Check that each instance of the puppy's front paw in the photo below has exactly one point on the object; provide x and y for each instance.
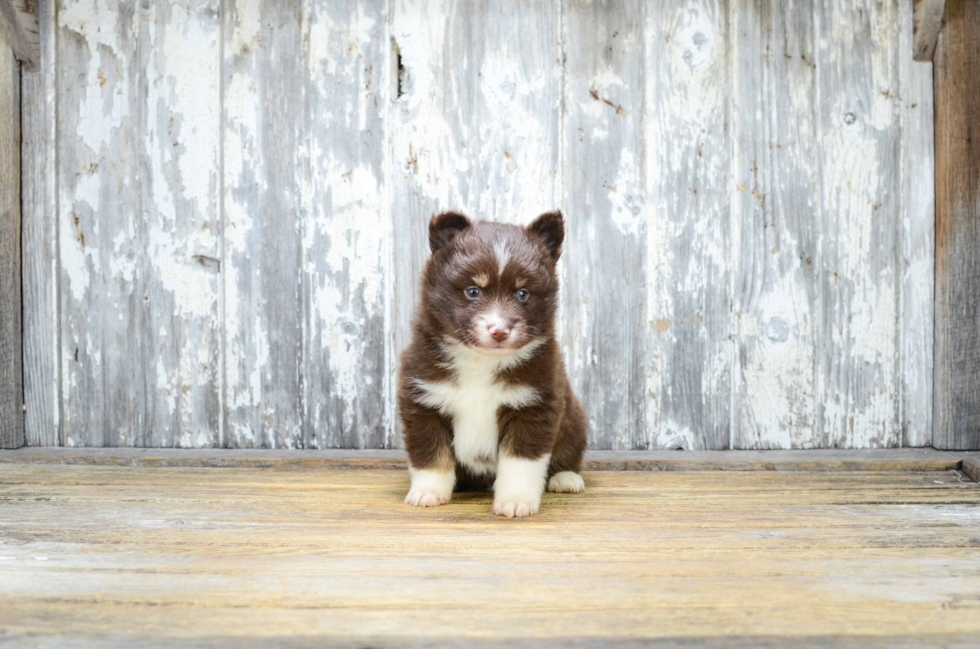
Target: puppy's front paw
(427, 497)
(566, 482)
(430, 488)
(515, 506)
(517, 489)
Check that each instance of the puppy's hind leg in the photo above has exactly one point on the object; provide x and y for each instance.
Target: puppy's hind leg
(567, 482)
(566, 458)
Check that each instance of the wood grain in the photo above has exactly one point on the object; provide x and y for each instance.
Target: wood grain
(956, 383)
(138, 141)
(957, 81)
(859, 117)
(604, 205)
(11, 358)
(226, 209)
(928, 20)
(688, 65)
(137, 554)
(347, 267)
(971, 467)
(41, 261)
(918, 236)
(101, 236)
(179, 46)
(776, 237)
(916, 460)
(263, 282)
(20, 20)
(307, 345)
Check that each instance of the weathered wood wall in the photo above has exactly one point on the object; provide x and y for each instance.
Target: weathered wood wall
(11, 364)
(227, 203)
(957, 376)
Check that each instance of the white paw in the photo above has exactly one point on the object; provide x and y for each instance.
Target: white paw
(566, 482)
(426, 497)
(516, 506)
(518, 487)
(430, 488)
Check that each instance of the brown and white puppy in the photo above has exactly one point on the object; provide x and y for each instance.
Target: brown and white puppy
(483, 394)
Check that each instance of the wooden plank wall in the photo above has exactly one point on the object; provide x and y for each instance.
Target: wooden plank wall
(11, 365)
(240, 191)
(39, 244)
(957, 370)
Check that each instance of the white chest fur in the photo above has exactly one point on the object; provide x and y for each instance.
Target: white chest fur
(472, 398)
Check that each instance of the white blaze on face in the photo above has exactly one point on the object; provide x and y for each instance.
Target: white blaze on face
(503, 256)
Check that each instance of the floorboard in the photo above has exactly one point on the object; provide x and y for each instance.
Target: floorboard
(107, 555)
(892, 459)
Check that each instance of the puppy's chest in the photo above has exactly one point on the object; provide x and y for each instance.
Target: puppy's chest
(471, 398)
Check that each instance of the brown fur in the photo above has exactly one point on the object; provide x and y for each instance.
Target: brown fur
(461, 250)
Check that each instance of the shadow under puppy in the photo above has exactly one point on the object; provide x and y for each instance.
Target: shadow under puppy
(483, 393)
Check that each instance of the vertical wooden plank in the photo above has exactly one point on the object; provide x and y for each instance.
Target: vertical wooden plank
(777, 187)
(475, 125)
(957, 361)
(688, 195)
(928, 20)
(346, 226)
(19, 18)
(859, 92)
(137, 153)
(918, 243)
(180, 262)
(11, 365)
(606, 330)
(101, 234)
(42, 351)
(262, 259)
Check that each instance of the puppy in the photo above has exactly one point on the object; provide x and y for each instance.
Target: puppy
(483, 395)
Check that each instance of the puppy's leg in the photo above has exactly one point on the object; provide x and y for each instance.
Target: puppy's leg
(566, 482)
(526, 438)
(566, 457)
(428, 439)
(430, 488)
(519, 485)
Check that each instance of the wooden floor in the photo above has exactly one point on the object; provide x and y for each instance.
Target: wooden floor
(119, 555)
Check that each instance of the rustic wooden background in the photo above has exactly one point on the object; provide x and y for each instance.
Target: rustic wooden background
(226, 201)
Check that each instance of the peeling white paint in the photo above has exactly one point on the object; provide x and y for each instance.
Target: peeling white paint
(102, 110)
(249, 14)
(191, 287)
(192, 77)
(626, 196)
(79, 261)
(96, 20)
(771, 329)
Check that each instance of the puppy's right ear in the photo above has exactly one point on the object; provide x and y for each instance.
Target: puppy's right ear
(445, 227)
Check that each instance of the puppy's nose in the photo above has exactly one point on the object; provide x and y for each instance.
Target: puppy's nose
(499, 333)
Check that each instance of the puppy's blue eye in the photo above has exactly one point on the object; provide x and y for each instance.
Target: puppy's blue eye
(473, 292)
(522, 294)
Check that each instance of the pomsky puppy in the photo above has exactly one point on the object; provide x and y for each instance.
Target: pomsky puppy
(483, 395)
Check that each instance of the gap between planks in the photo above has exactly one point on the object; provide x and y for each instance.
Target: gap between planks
(910, 460)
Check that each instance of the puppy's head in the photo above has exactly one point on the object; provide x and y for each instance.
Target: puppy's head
(492, 286)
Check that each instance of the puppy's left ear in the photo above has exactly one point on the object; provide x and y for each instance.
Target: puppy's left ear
(445, 227)
(549, 229)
